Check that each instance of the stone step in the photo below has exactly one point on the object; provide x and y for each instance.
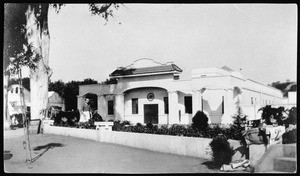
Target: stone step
(289, 150)
(285, 164)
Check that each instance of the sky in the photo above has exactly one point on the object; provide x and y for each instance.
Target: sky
(259, 39)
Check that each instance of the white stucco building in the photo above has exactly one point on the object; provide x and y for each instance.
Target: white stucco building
(55, 100)
(14, 101)
(148, 91)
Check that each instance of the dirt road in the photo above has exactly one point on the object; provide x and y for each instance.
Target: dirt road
(61, 154)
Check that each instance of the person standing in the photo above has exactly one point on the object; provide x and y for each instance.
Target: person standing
(85, 113)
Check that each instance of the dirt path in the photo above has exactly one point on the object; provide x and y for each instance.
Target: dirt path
(61, 154)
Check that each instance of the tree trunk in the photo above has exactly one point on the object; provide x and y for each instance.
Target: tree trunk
(38, 35)
(5, 104)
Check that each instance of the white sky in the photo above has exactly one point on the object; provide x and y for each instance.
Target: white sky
(259, 38)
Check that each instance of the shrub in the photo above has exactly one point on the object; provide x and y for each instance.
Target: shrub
(117, 126)
(290, 137)
(268, 113)
(177, 130)
(222, 152)
(125, 122)
(292, 116)
(200, 121)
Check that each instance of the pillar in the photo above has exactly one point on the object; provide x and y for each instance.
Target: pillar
(119, 106)
(102, 106)
(80, 101)
(196, 97)
(229, 107)
(173, 107)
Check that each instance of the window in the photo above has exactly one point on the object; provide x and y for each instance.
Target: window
(17, 89)
(188, 105)
(135, 106)
(176, 77)
(110, 107)
(252, 101)
(222, 104)
(12, 90)
(166, 102)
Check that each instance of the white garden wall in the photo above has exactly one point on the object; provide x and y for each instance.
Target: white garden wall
(186, 146)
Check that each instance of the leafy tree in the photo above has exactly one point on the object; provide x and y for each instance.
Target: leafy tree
(26, 24)
(57, 86)
(69, 91)
(110, 81)
(88, 81)
(268, 112)
(285, 87)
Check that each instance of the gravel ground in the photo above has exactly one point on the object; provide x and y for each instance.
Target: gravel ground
(61, 154)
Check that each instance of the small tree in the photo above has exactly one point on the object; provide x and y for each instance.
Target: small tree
(239, 121)
(200, 121)
(239, 117)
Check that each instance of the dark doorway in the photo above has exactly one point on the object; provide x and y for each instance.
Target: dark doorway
(151, 113)
(93, 100)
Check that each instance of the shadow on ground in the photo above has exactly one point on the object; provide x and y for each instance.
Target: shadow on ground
(210, 165)
(7, 155)
(46, 147)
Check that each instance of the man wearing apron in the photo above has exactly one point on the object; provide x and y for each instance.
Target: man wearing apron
(85, 114)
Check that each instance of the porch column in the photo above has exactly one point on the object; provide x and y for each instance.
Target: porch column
(196, 97)
(102, 106)
(119, 106)
(80, 101)
(229, 107)
(173, 107)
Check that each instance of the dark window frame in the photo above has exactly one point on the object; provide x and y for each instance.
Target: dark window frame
(110, 107)
(223, 108)
(166, 104)
(135, 106)
(188, 104)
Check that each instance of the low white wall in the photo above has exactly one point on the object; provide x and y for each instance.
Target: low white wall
(187, 146)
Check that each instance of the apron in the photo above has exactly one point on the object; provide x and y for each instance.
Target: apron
(86, 118)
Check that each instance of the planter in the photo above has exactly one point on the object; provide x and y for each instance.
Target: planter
(186, 146)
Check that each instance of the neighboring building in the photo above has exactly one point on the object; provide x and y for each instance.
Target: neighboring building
(148, 91)
(55, 100)
(14, 101)
(290, 101)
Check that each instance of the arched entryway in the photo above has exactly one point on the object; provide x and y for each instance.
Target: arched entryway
(146, 105)
(93, 100)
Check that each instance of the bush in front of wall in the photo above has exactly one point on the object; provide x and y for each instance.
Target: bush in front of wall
(222, 152)
(200, 121)
(177, 130)
(117, 126)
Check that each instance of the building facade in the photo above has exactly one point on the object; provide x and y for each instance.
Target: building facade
(148, 91)
(55, 100)
(14, 100)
